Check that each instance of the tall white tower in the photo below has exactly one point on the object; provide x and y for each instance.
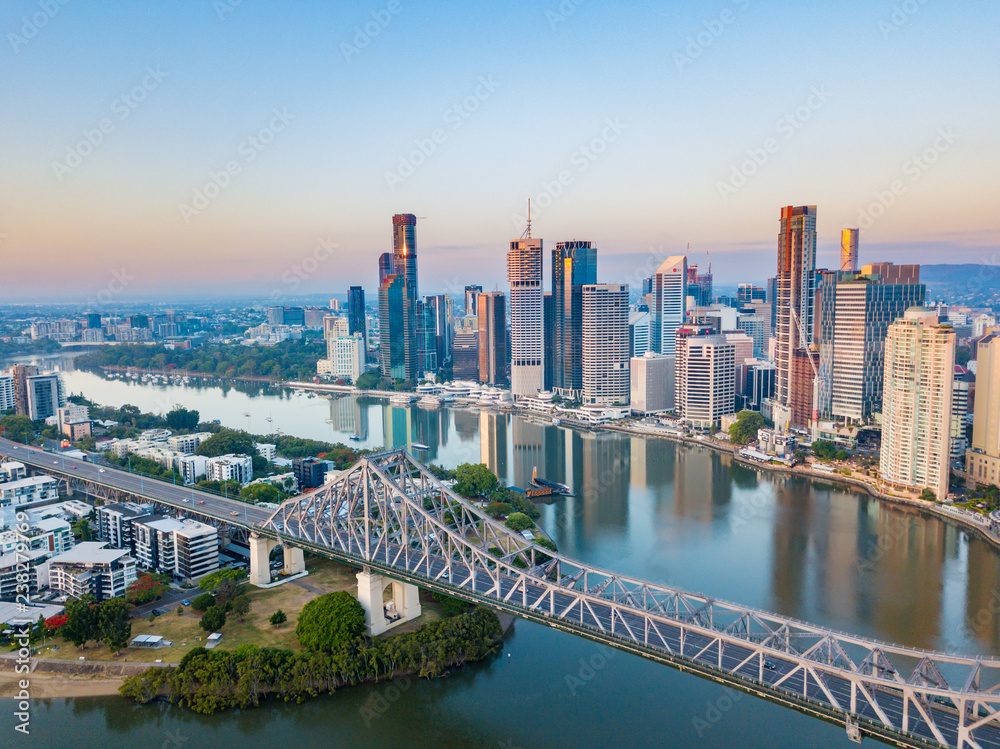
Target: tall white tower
(669, 300)
(527, 344)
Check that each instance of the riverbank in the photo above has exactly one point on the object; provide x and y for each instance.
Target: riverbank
(183, 373)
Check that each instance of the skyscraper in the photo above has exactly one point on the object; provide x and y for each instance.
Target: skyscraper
(356, 313)
(796, 290)
(527, 344)
(700, 285)
(384, 266)
(492, 319)
(404, 265)
(574, 264)
(604, 344)
(916, 403)
(390, 311)
(669, 302)
(705, 380)
(983, 458)
(472, 293)
(440, 312)
(849, 250)
(864, 308)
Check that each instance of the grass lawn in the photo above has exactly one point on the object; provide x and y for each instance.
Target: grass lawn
(325, 576)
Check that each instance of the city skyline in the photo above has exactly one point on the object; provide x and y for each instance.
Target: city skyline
(136, 137)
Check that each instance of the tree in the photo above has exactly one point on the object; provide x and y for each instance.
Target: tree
(278, 618)
(518, 521)
(202, 602)
(256, 493)
(227, 441)
(240, 606)
(146, 588)
(81, 620)
(183, 418)
(329, 621)
(114, 624)
(17, 428)
(744, 430)
(475, 480)
(211, 581)
(928, 495)
(82, 530)
(213, 619)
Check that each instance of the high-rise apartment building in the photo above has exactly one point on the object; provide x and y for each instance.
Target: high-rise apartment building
(404, 266)
(385, 267)
(6, 392)
(605, 344)
(527, 339)
(574, 264)
(356, 313)
(669, 303)
(849, 250)
(705, 380)
(794, 305)
(45, 396)
(492, 336)
(916, 403)
(983, 458)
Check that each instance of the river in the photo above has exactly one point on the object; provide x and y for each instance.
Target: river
(678, 514)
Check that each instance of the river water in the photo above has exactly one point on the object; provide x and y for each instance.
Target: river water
(678, 514)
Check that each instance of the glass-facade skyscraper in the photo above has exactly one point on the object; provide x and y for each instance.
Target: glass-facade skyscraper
(574, 264)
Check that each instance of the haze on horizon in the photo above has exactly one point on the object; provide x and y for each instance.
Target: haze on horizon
(238, 147)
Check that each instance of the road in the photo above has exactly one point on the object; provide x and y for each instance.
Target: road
(185, 498)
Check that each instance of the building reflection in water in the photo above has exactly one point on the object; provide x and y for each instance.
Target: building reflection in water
(493, 443)
(397, 426)
(349, 416)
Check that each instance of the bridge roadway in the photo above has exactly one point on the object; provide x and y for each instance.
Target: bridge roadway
(694, 648)
(186, 498)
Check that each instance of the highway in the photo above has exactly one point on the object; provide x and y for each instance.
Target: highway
(185, 498)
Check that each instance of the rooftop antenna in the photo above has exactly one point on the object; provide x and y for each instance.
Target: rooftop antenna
(527, 231)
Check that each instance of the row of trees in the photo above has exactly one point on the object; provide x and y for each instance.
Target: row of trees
(285, 360)
(107, 622)
(208, 681)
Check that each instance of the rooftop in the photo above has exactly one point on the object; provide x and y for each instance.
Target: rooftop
(90, 552)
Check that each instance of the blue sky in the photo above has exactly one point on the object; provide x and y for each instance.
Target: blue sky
(268, 144)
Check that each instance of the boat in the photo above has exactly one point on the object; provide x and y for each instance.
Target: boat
(419, 446)
(430, 401)
(402, 399)
(553, 486)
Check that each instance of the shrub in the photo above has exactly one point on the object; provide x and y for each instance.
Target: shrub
(278, 618)
(202, 602)
(518, 521)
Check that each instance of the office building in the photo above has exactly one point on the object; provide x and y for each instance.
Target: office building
(45, 396)
(960, 415)
(794, 304)
(181, 547)
(916, 403)
(669, 303)
(758, 328)
(310, 473)
(849, 250)
(492, 338)
(864, 307)
(347, 356)
(527, 338)
(391, 329)
(700, 285)
(356, 314)
(605, 345)
(574, 264)
(983, 457)
(639, 329)
(230, 468)
(404, 264)
(754, 384)
(651, 383)
(465, 356)
(747, 293)
(549, 341)
(90, 568)
(472, 293)
(705, 379)
(440, 313)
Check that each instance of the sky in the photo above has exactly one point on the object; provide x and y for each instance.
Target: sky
(250, 147)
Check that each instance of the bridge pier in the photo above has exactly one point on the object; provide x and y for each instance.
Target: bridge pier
(387, 603)
(260, 559)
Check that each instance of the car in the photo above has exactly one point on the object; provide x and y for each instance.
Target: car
(235, 513)
(186, 602)
(156, 612)
(770, 666)
(185, 500)
(101, 470)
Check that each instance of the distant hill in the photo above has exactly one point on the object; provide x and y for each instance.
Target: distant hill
(963, 273)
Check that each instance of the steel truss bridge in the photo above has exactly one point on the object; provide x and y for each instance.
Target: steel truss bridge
(389, 513)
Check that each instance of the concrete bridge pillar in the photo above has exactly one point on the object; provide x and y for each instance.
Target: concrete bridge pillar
(260, 559)
(387, 603)
(295, 561)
